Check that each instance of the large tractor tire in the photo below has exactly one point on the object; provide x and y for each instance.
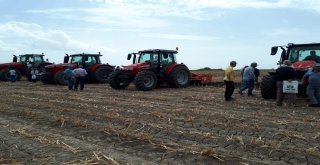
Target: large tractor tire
(46, 79)
(179, 77)
(59, 78)
(268, 87)
(116, 82)
(101, 75)
(145, 80)
(4, 75)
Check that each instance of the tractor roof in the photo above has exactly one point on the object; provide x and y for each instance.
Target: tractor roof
(31, 55)
(158, 50)
(85, 54)
(298, 45)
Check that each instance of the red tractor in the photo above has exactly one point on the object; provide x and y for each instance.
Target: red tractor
(298, 54)
(97, 72)
(150, 69)
(22, 66)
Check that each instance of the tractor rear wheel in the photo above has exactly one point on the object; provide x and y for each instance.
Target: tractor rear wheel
(268, 87)
(59, 78)
(179, 77)
(145, 80)
(101, 75)
(4, 75)
(116, 82)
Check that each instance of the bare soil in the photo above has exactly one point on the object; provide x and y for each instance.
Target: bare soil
(47, 124)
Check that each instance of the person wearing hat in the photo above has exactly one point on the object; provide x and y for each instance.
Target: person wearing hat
(248, 79)
(285, 73)
(313, 88)
(229, 81)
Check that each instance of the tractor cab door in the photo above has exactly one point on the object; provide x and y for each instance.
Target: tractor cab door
(37, 60)
(89, 62)
(167, 59)
(77, 60)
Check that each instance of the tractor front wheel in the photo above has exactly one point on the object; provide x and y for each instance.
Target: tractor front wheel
(268, 87)
(5, 76)
(145, 80)
(116, 82)
(179, 77)
(102, 74)
(59, 78)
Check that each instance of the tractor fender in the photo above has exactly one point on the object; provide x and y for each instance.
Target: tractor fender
(171, 67)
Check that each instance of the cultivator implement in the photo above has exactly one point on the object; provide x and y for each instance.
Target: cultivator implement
(201, 79)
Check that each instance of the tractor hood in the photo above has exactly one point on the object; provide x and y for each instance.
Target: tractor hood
(12, 64)
(138, 65)
(64, 65)
(303, 65)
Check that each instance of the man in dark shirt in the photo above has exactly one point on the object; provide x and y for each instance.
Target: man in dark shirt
(285, 73)
(313, 57)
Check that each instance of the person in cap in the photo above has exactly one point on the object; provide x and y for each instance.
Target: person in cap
(248, 79)
(229, 81)
(285, 73)
(313, 87)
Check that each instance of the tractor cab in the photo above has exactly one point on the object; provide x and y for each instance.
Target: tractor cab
(86, 60)
(32, 59)
(156, 60)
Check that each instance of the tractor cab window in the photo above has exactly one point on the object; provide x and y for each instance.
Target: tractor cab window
(23, 59)
(144, 57)
(76, 59)
(304, 53)
(90, 60)
(170, 58)
(38, 59)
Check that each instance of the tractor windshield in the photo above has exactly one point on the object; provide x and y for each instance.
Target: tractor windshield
(304, 53)
(152, 57)
(76, 59)
(37, 59)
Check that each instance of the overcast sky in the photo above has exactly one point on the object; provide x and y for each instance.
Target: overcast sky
(209, 33)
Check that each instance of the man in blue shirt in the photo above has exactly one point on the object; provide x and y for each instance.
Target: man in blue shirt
(70, 77)
(248, 79)
(313, 88)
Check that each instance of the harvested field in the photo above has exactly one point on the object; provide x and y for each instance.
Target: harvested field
(46, 124)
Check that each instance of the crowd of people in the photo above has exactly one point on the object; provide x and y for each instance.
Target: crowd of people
(285, 73)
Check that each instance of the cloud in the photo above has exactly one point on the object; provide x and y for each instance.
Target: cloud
(27, 36)
(177, 37)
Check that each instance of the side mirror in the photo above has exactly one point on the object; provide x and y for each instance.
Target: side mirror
(165, 56)
(274, 50)
(15, 59)
(129, 56)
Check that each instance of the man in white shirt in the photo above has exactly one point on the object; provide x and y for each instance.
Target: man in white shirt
(80, 75)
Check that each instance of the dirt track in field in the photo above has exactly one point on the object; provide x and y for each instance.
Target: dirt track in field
(46, 124)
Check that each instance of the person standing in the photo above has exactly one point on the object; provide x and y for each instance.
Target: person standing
(12, 75)
(248, 79)
(34, 72)
(229, 81)
(80, 74)
(285, 73)
(69, 74)
(313, 88)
